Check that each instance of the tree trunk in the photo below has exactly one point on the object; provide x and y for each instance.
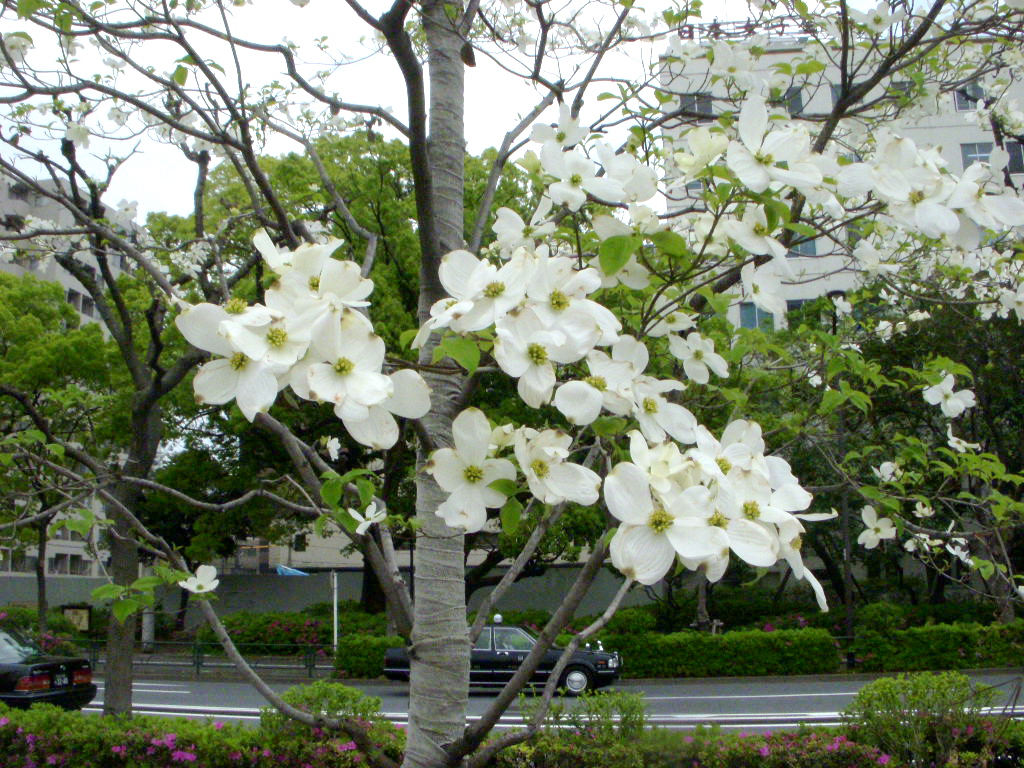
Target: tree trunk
(371, 596)
(439, 656)
(117, 671)
(703, 618)
(42, 606)
(124, 555)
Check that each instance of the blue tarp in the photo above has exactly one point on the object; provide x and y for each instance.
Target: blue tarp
(284, 570)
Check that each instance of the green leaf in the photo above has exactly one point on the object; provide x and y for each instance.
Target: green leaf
(463, 351)
(615, 252)
(671, 243)
(505, 486)
(366, 491)
(831, 400)
(331, 491)
(511, 514)
(405, 338)
(180, 75)
(107, 592)
(607, 426)
(147, 583)
(809, 67)
(56, 449)
(122, 609)
(28, 7)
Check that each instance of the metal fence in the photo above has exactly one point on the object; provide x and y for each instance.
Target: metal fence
(199, 656)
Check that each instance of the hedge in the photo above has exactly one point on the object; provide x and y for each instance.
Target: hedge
(940, 646)
(273, 633)
(362, 656)
(45, 735)
(698, 654)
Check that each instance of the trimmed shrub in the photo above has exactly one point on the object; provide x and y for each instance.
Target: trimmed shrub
(362, 656)
(703, 749)
(939, 647)
(696, 654)
(277, 634)
(923, 718)
(45, 735)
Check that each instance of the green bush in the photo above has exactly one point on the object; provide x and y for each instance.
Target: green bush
(45, 736)
(334, 700)
(922, 719)
(697, 654)
(939, 647)
(362, 656)
(59, 638)
(284, 633)
(702, 749)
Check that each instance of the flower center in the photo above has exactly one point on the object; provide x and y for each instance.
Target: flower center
(760, 230)
(718, 520)
(236, 306)
(796, 543)
(473, 474)
(597, 382)
(764, 158)
(660, 520)
(698, 354)
(239, 361)
(650, 405)
(917, 196)
(723, 464)
(576, 180)
(314, 283)
(560, 137)
(276, 337)
(344, 366)
(751, 510)
(494, 290)
(537, 354)
(559, 301)
(539, 467)
(527, 230)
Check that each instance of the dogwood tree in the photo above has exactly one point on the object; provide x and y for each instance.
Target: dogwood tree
(602, 300)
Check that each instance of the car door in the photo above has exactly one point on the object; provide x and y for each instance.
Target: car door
(483, 660)
(510, 646)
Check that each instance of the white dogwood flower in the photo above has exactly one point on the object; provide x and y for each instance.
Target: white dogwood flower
(877, 528)
(698, 355)
(372, 516)
(465, 472)
(204, 580)
(553, 480)
(953, 404)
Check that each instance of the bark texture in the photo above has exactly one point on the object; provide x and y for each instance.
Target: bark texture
(439, 656)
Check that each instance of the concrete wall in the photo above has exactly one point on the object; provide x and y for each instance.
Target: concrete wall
(265, 593)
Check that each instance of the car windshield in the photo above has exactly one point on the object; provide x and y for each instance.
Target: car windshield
(16, 647)
(512, 639)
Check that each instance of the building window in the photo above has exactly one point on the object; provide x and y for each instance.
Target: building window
(88, 307)
(803, 248)
(78, 565)
(1016, 164)
(699, 104)
(792, 101)
(901, 87)
(752, 316)
(695, 188)
(966, 98)
(977, 152)
(59, 564)
(22, 563)
(74, 299)
(794, 304)
(836, 91)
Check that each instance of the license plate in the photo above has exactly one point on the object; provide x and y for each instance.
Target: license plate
(60, 680)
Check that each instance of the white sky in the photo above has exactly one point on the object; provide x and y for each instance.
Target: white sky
(161, 180)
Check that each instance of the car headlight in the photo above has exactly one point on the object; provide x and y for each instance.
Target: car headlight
(613, 662)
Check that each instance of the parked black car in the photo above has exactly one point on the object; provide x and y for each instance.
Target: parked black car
(501, 649)
(28, 675)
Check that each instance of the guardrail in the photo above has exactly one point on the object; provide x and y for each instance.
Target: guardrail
(205, 655)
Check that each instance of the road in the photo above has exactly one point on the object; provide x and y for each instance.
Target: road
(734, 704)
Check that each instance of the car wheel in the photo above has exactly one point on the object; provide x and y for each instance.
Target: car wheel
(576, 680)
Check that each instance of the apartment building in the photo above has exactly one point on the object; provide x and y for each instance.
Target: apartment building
(818, 266)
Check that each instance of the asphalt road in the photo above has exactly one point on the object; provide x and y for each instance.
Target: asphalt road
(733, 703)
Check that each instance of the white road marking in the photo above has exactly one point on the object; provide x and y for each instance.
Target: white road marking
(748, 696)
